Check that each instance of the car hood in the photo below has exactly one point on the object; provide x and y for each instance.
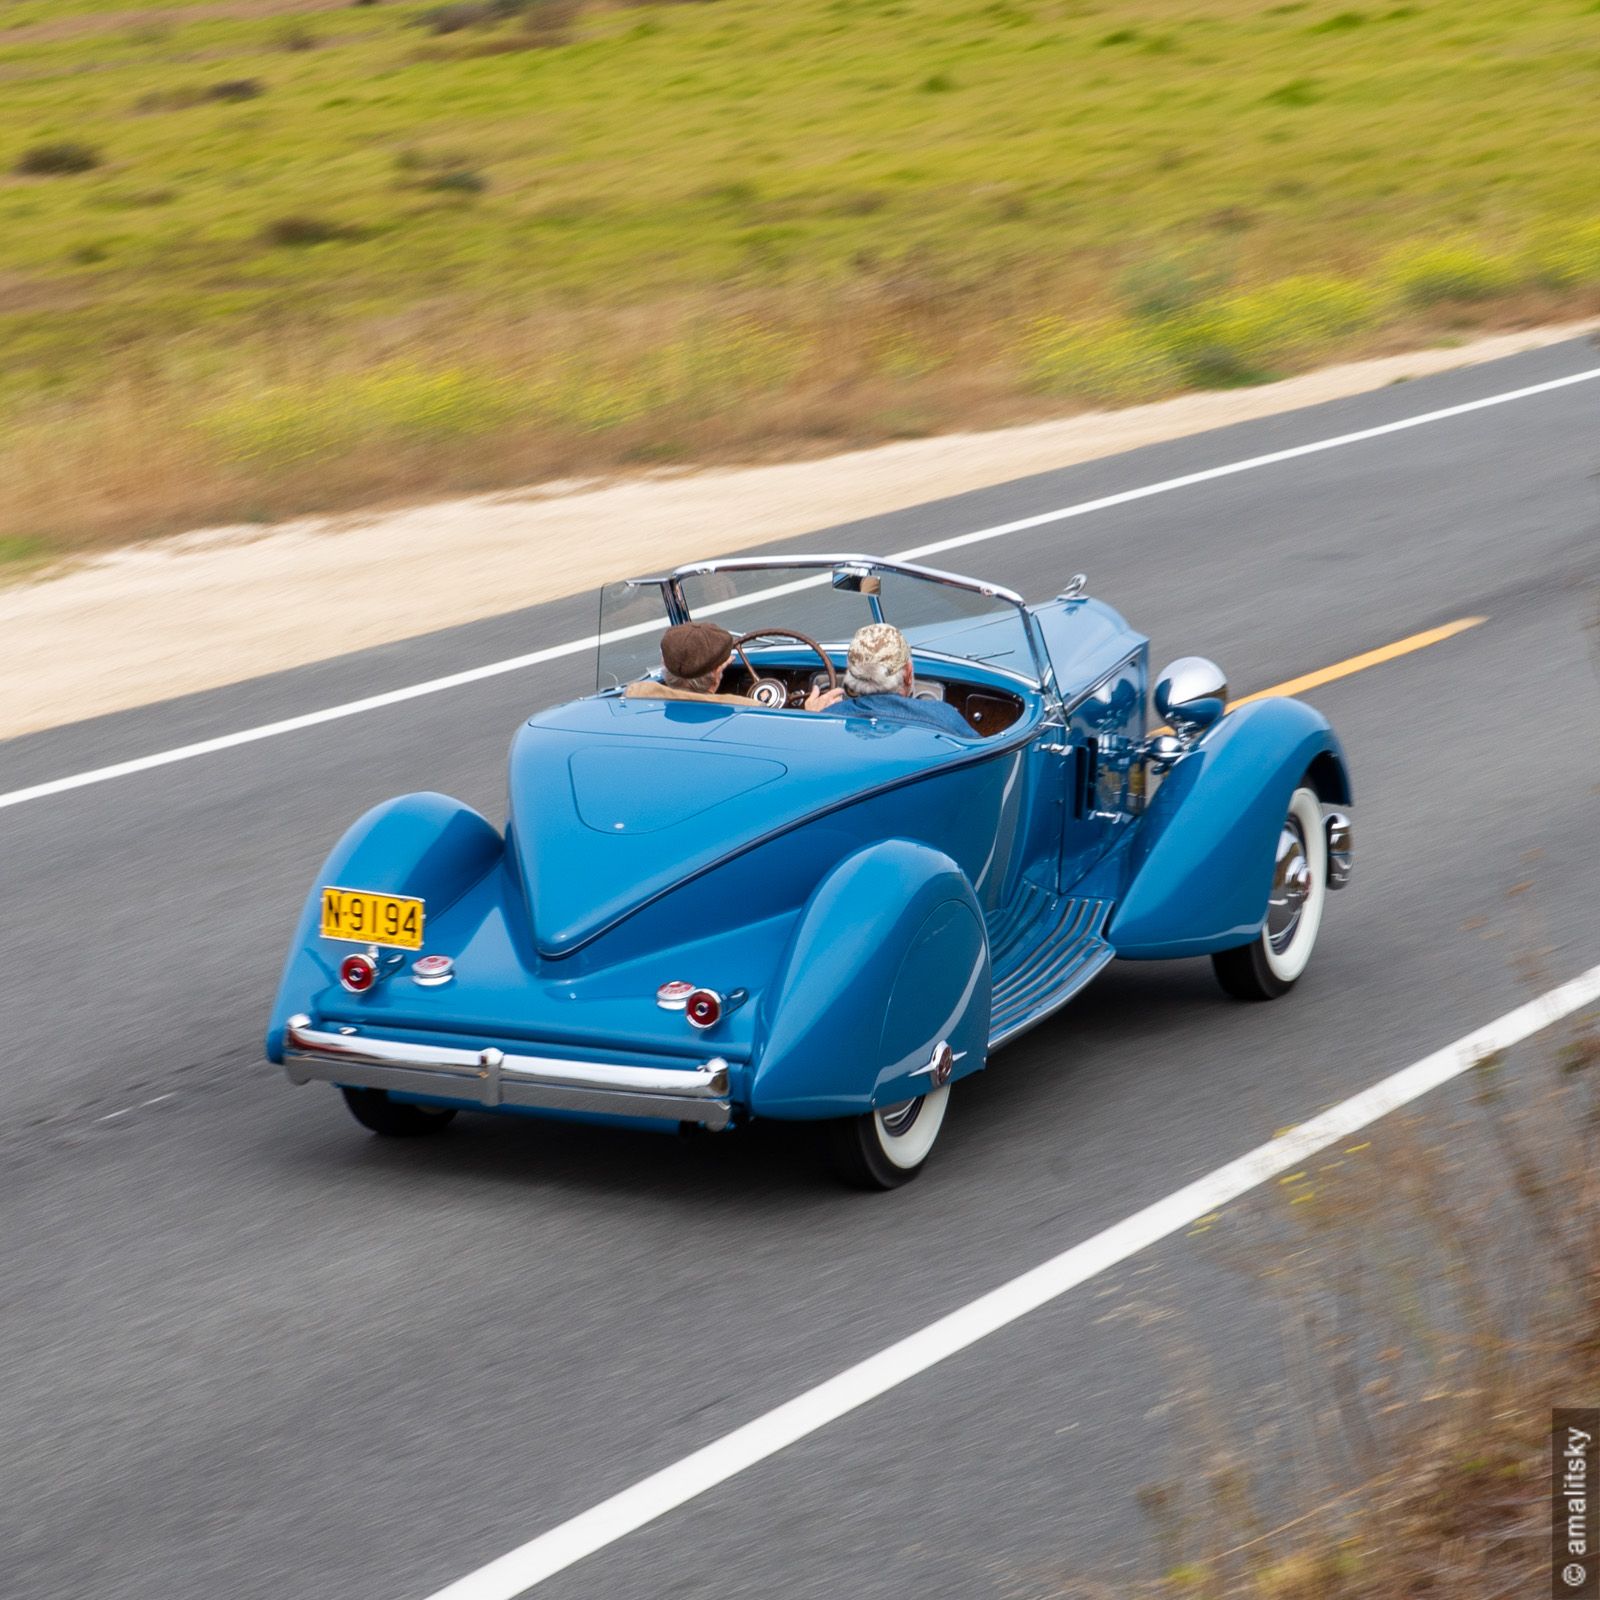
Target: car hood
(615, 801)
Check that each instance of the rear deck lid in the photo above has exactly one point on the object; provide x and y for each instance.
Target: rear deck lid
(614, 801)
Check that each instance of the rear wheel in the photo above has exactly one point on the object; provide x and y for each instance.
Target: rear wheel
(395, 1119)
(1271, 963)
(886, 1148)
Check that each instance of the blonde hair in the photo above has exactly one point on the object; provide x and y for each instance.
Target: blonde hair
(877, 660)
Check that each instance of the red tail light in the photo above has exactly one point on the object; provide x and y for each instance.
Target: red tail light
(358, 973)
(674, 996)
(703, 1008)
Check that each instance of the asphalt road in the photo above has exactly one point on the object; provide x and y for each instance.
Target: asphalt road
(247, 1350)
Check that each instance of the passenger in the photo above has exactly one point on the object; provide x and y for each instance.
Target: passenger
(878, 679)
(694, 656)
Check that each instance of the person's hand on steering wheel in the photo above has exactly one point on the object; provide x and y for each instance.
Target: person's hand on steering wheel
(818, 699)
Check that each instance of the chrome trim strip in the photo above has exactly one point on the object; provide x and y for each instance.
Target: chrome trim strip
(493, 1077)
(672, 589)
(952, 580)
(1080, 976)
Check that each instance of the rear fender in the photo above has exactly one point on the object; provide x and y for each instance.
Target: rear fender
(888, 958)
(1201, 864)
(424, 845)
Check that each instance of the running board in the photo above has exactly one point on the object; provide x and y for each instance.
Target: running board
(1042, 952)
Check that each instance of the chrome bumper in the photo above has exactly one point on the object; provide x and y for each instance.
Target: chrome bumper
(495, 1078)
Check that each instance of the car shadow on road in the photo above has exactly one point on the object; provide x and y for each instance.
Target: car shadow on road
(1135, 1008)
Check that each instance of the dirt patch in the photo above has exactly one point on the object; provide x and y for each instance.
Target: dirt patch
(217, 607)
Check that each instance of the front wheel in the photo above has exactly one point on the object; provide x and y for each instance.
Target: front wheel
(395, 1119)
(886, 1148)
(1269, 965)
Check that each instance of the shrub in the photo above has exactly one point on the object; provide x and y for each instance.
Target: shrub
(191, 95)
(1429, 274)
(298, 231)
(1339, 22)
(1111, 361)
(60, 157)
(1569, 258)
(549, 23)
(231, 89)
(540, 15)
(323, 417)
(452, 19)
(1163, 285)
(458, 181)
(704, 371)
(17, 549)
(1244, 337)
(1298, 92)
(289, 423)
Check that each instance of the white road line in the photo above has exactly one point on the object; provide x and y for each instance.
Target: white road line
(494, 669)
(715, 1463)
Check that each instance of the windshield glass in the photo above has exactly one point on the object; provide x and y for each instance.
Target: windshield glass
(632, 620)
(958, 622)
(827, 602)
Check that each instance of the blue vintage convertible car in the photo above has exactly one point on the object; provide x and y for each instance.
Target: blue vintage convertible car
(701, 913)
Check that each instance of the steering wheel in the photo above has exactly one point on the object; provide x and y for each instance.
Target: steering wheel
(771, 692)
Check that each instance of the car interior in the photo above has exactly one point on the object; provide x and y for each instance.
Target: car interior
(776, 684)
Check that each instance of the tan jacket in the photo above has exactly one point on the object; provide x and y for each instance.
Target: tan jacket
(649, 689)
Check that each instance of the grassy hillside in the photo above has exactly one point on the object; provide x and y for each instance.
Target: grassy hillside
(272, 254)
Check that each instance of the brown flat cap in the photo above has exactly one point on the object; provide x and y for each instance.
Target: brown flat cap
(693, 648)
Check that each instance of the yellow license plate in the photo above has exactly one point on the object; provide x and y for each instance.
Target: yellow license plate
(372, 918)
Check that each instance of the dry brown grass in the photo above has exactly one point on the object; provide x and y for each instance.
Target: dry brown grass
(559, 394)
(1440, 1294)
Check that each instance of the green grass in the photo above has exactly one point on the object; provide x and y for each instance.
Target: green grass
(564, 200)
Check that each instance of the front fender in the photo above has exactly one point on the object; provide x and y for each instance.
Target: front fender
(423, 845)
(1201, 865)
(888, 957)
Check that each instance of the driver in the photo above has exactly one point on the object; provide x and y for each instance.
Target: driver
(694, 655)
(878, 679)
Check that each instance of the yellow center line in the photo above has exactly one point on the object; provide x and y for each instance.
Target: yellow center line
(1369, 658)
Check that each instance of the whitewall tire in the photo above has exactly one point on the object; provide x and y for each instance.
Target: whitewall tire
(1272, 962)
(883, 1149)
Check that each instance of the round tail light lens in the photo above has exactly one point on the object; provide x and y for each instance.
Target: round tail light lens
(358, 973)
(674, 996)
(703, 1008)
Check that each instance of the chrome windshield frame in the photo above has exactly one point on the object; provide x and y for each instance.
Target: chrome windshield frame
(677, 607)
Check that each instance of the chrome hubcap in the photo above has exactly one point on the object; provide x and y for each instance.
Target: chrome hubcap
(897, 1120)
(1291, 886)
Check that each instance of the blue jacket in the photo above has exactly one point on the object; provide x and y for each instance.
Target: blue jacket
(899, 708)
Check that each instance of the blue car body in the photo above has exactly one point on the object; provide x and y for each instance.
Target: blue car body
(858, 896)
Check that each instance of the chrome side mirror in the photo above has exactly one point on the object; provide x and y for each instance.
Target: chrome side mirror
(1191, 695)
